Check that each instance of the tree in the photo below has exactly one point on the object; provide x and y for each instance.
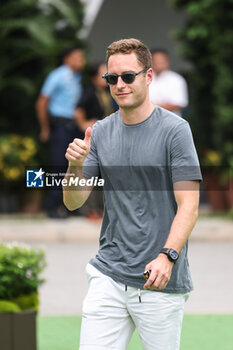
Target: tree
(206, 41)
(32, 34)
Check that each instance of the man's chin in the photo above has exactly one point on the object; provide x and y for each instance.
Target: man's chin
(128, 105)
(125, 105)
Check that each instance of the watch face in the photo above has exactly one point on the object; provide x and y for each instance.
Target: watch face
(173, 254)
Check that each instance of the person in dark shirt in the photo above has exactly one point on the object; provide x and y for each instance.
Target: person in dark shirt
(96, 101)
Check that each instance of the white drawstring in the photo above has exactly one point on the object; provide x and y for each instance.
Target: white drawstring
(139, 295)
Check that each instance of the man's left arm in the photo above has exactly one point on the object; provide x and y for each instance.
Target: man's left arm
(187, 199)
(170, 107)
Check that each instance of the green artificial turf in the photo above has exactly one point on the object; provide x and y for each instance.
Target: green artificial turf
(207, 332)
(200, 332)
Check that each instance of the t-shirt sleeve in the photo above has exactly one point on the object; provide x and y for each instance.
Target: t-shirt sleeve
(183, 155)
(50, 84)
(91, 164)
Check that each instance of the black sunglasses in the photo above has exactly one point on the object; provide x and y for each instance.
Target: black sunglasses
(127, 77)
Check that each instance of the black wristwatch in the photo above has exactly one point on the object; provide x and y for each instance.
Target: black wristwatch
(171, 254)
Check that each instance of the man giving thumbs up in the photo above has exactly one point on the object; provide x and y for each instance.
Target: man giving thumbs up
(148, 158)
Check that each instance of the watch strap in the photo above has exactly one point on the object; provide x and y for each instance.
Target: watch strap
(168, 252)
(165, 250)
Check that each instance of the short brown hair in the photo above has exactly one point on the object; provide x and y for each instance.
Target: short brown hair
(126, 46)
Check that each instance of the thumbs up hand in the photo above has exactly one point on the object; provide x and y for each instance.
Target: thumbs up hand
(87, 138)
(79, 149)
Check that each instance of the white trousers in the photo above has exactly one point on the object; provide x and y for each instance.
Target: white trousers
(111, 313)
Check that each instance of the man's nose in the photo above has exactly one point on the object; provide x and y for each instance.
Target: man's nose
(120, 83)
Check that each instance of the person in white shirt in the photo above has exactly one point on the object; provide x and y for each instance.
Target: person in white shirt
(168, 89)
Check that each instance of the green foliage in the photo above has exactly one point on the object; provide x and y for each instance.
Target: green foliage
(27, 302)
(16, 152)
(32, 35)
(8, 306)
(206, 41)
(21, 303)
(20, 269)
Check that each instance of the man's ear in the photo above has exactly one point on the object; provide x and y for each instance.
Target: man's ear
(149, 76)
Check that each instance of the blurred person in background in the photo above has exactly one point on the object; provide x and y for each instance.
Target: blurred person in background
(96, 101)
(55, 108)
(95, 104)
(168, 89)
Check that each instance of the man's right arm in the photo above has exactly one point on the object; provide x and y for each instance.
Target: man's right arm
(75, 196)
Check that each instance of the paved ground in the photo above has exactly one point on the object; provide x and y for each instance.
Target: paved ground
(69, 244)
(79, 229)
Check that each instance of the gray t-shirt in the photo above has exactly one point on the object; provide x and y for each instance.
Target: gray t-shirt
(139, 164)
